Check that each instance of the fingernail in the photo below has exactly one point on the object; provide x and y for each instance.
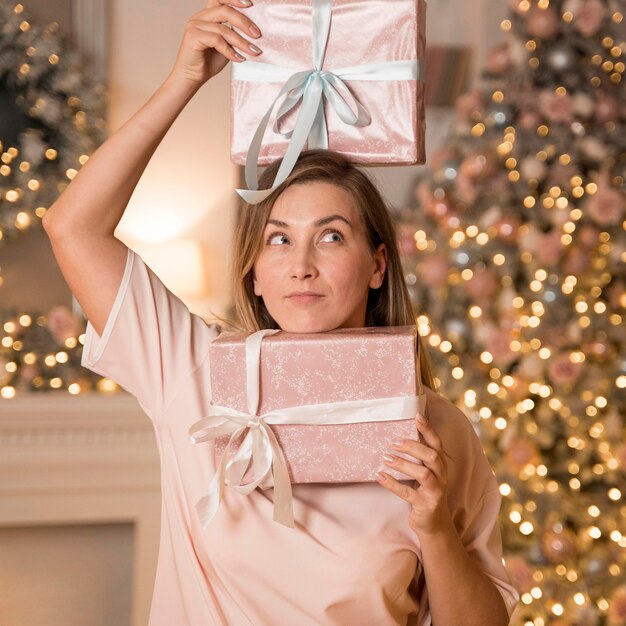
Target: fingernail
(389, 458)
(396, 444)
(381, 477)
(255, 49)
(246, 3)
(255, 31)
(241, 58)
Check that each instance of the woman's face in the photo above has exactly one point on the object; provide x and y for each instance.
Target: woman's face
(315, 268)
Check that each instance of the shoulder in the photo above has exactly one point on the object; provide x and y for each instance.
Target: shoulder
(448, 419)
(460, 440)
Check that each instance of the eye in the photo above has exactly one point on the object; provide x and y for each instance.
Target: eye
(334, 232)
(273, 236)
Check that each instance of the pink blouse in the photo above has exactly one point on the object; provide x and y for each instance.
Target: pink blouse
(351, 558)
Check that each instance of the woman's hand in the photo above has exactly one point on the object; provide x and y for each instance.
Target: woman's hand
(209, 43)
(429, 513)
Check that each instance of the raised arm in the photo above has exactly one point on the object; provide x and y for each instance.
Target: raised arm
(82, 221)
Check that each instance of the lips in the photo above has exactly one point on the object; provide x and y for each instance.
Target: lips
(304, 297)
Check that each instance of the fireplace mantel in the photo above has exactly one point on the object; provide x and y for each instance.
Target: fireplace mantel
(86, 459)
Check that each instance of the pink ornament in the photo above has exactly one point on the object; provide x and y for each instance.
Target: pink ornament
(529, 120)
(499, 59)
(584, 106)
(498, 343)
(616, 615)
(563, 372)
(507, 228)
(558, 546)
(27, 373)
(606, 206)
(424, 195)
(469, 104)
(589, 18)
(483, 284)
(607, 109)
(439, 208)
(442, 156)
(578, 261)
(556, 108)
(549, 248)
(478, 166)
(593, 148)
(561, 175)
(531, 167)
(466, 188)
(62, 323)
(589, 236)
(434, 270)
(542, 23)
(520, 452)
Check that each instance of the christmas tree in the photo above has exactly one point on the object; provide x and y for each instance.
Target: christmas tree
(51, 120)
(515, 261)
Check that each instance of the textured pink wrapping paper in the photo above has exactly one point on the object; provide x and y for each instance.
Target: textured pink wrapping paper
(364, 31)
(299, 369)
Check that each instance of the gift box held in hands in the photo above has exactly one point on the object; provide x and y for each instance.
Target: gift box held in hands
(309, 408)
(371, 91)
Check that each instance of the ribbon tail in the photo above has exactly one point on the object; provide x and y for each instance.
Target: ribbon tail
(318, 136)
(238, 464)
(209, 503)
(283, 495)
(252, 195)
(308, 111)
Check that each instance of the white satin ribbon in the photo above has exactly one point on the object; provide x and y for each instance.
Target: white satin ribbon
(260, 446)
(309, 87)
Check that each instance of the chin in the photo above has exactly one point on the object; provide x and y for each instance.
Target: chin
(306, 326)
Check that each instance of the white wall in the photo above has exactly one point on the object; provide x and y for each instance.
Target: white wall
(188, 187)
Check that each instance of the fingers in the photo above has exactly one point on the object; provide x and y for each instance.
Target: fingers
(426, 430)
(424, 475)
(220, 13)
(430, 458)
(213, 28)
(224, 39)
(403, 490)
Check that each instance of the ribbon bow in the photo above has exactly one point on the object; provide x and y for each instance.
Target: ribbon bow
(309, 87)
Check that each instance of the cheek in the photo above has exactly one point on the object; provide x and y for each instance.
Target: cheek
(349, 274)
(265, 275)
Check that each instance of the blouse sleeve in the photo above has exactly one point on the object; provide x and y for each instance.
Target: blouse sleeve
(150, 342)
(473, 493)
(482, 540)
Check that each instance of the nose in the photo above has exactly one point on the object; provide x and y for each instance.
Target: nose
(303, 263)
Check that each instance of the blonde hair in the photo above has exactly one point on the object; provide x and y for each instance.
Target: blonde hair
(389, 305)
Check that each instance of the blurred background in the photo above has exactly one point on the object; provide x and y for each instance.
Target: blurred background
(512, 236)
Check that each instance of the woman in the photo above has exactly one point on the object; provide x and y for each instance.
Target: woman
(318, 254)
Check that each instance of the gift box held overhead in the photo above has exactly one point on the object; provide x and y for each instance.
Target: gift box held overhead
(340, 74)
(307, 408)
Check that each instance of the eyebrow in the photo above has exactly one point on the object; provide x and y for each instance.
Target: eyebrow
(320, 222)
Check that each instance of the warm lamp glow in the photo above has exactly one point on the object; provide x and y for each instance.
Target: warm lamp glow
(179, 263)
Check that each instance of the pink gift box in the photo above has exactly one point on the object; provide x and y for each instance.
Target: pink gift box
(311, 369)
(370, 31)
